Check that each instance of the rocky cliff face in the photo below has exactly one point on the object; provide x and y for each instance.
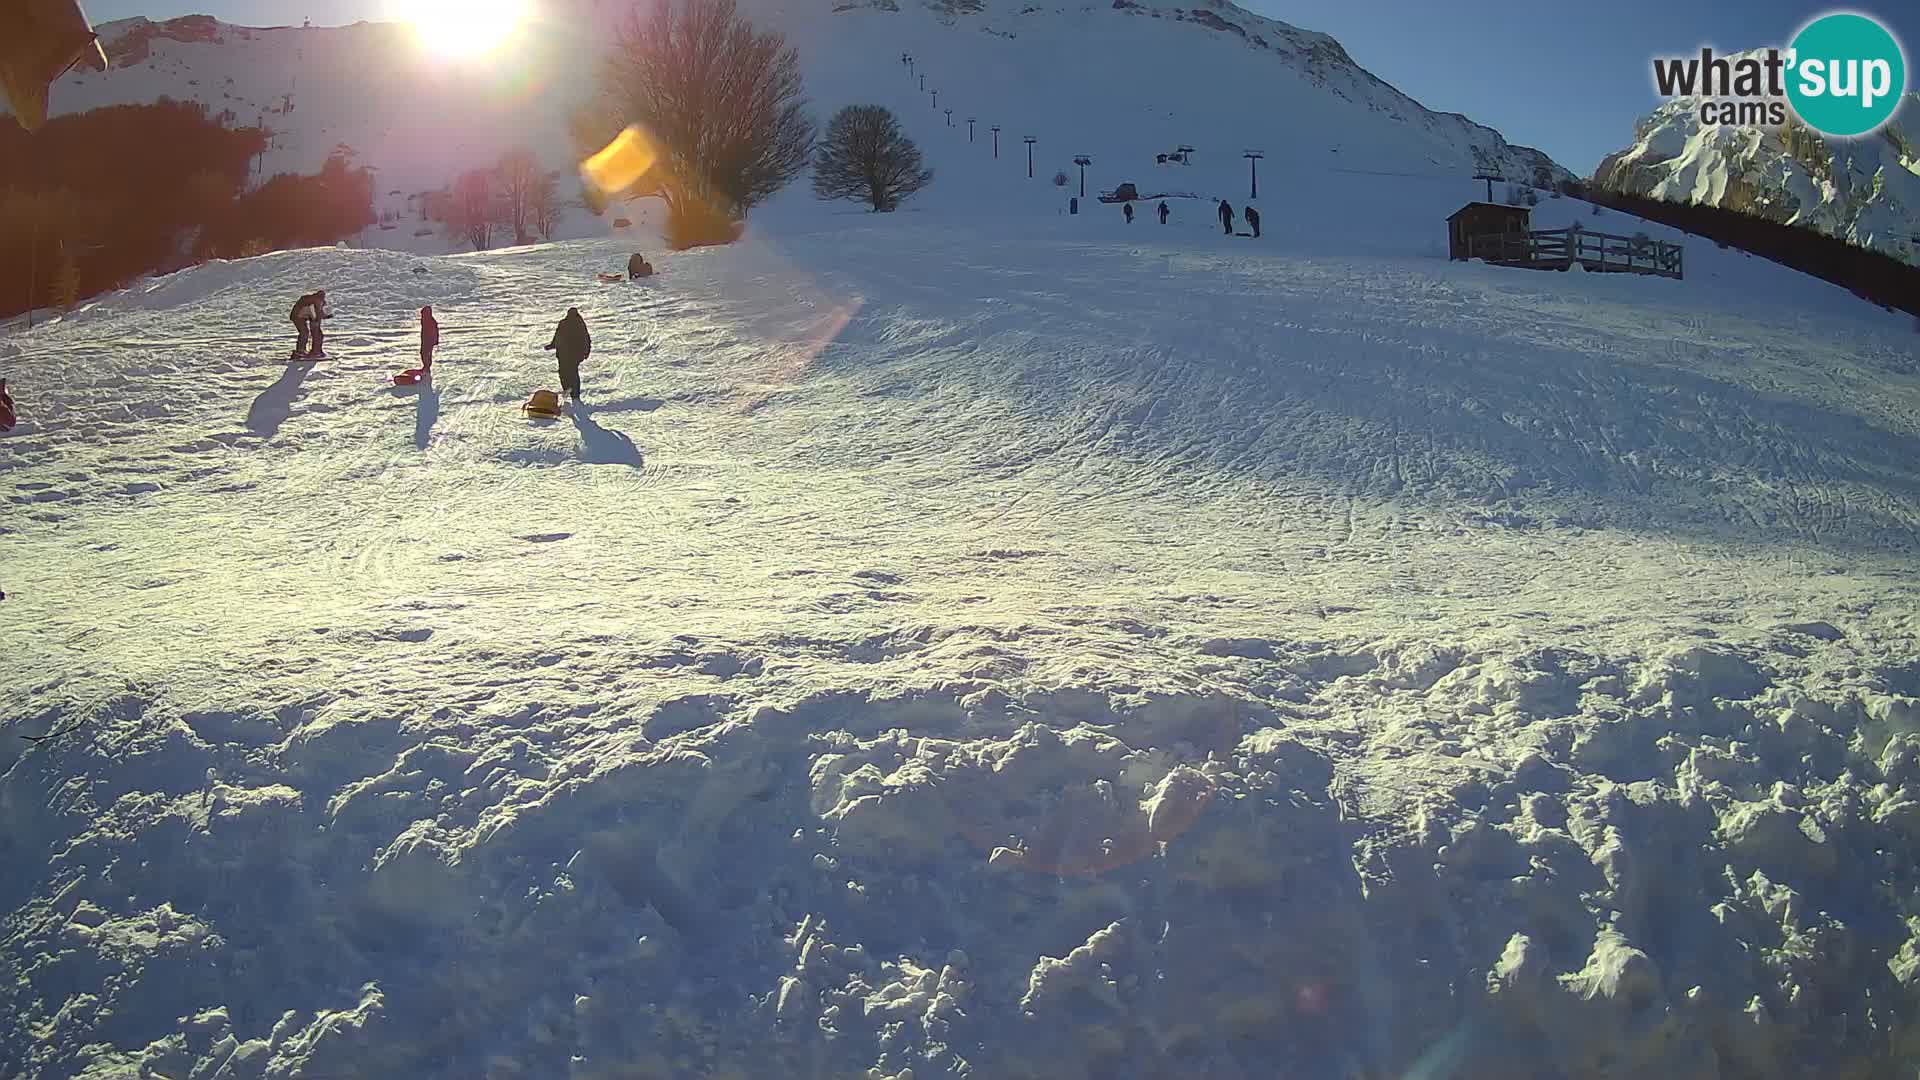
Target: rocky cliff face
(1863, 190)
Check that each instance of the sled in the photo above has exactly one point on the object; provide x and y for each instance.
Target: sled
(544, 405)
(411, 376)
(611, 279)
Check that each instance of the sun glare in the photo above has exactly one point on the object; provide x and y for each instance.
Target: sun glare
(458, 28)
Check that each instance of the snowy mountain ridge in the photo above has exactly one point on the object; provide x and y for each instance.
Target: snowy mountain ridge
(1865, 190)
(1167, 74)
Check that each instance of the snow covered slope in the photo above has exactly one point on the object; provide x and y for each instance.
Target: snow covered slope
(1042, 647)
(1122, 82)
(1863, 190)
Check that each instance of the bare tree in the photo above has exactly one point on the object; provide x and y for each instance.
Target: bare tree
(866, 156)
(543, 204)
(722, 102)
(471, 212)
(517, 173)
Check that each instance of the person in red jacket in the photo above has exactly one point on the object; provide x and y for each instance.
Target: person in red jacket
(7, 414)
(429, 337)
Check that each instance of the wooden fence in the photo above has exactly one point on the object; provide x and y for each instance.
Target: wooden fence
(1558, 249)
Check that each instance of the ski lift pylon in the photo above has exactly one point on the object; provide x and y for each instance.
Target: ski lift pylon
(41, 40)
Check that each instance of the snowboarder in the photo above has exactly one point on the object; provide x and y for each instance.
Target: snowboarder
(429, 337)
(7, 414)
(638, 267)
(306, 314)
(572, 344)
(1164, 212)
(1127, 209)
(1253, 221)
(1226, 217)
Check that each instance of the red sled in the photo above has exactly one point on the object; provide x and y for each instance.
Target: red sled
(411, 376)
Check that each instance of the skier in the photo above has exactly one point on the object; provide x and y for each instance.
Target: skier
(1127, 209)
(572, 344)
(307, 313)
(1253, 221)
(1226, 217)
(429, 337)
(1164, 212)
(7, 414)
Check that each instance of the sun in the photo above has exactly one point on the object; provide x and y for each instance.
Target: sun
(463, 28)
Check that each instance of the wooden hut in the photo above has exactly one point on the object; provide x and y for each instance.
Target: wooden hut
(1482, 219)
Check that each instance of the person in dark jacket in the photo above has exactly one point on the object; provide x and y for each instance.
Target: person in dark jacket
(7, 413)
(1226, 217)
(638, 267)
(1164, 212)
(306, 314)
(1127, 210)
(1253, 221)
(429, 337)
(572, 344)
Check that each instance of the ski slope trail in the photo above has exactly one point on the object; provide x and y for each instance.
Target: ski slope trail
(1043, 647)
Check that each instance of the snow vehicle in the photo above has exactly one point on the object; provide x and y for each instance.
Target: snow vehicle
(1124, 193)
(43, 40)
(544, 404)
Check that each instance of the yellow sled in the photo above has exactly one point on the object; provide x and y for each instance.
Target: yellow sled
(544, 404)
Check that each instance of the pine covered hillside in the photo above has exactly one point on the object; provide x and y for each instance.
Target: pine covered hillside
(1866, 191)
(1122, 83)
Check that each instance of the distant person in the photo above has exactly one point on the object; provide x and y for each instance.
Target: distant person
(638, 267)
(1127, 210)
(572, 344)
(1164, 212)
(1253, 221)
(8, 416)
(307, 313)
(429, 337)
(1226, 217)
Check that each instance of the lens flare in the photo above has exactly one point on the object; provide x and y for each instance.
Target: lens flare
(465, 28)
(621, 163)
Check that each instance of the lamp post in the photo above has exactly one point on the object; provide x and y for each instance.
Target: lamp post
(1083, 161)
(936, 99)
(1253, 163)
(969, 129)
(1030, 140)
(996, 142)
(923, 82)
(1186, 154)
(949, 117)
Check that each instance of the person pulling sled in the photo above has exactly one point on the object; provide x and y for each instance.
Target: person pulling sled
(571, 344)
(638, 267)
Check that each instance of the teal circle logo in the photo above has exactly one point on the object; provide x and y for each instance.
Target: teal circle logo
(1846, 74)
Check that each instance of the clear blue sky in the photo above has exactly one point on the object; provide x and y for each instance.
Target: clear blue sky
(1567, 77)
